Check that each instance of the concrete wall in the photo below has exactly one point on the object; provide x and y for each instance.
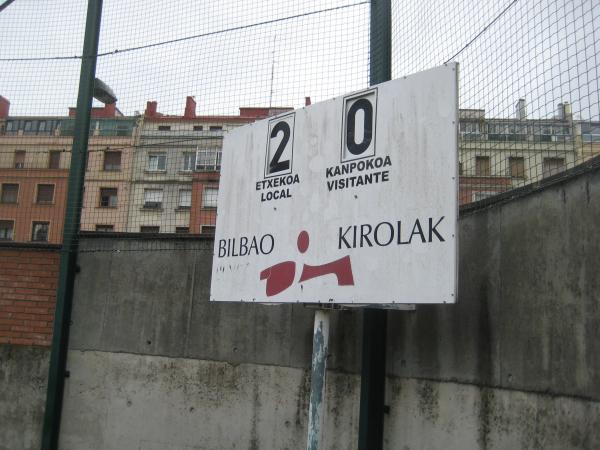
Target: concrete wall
(154, 365)
(23, 378)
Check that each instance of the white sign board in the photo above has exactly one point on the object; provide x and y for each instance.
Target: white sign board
(352, 201)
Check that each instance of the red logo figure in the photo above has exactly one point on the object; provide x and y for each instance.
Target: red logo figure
(281, 276)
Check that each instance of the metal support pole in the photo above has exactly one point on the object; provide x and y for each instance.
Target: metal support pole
(68, 257)
(372, 387)
(316, 412)
(372, 382)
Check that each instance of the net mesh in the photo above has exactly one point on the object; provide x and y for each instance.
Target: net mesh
(528, 84)
(186, 72)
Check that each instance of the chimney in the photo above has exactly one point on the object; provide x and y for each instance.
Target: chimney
(4, 107)
(151, 108)
(521, 109)
(567, 111)
(306, 101)
(110, 110)
(560, 112)
(190, 107)
(564, 111)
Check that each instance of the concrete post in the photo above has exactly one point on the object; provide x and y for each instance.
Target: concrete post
(316, 412)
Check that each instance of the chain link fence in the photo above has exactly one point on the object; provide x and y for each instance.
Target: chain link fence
(184, 73)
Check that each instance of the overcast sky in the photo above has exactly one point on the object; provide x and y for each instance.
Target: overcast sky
(543, 51)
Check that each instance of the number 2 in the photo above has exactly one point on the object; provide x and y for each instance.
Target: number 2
(276, 165)
(278, 160)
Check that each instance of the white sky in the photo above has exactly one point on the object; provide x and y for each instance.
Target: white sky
(544, 51)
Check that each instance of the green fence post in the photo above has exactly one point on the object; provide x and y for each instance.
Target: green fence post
(372, 383)
(68, 257)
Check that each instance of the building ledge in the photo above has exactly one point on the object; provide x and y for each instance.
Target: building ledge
(29, 245)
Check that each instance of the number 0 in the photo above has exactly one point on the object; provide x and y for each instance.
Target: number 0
(357, 148)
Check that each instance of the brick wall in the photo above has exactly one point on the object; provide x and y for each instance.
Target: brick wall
(28, 279)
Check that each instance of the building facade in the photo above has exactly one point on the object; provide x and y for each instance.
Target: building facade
(176, 169)
(34, 166)
(35, 157)
(499, 154)
(157, 173)
(108, 173)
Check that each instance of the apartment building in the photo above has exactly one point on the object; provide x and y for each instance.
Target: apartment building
(34, 162)
(176, 168)
(108, 170)
(159, 173)
(35, 156)
(499, 154)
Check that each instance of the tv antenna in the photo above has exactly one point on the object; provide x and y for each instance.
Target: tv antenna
(272, 69)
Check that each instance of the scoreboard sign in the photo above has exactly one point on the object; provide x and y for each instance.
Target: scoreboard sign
(352, 201)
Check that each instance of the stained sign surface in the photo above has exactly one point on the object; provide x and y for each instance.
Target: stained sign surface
(352, 200)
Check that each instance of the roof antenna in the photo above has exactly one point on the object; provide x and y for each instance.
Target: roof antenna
(272, 70)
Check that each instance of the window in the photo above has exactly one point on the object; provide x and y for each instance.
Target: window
(182, 230)
(560, 133)
(45, 193)
(507, 131)
(469, 127)
(497, 131)
(39, 231)
(517, 166)
(518, 132)
(94, 126)
(153, 198)
(189, 161)
(469, 130)
(552, 166)
(10, 193)
(215, 128)
(164, 128)
(460, 168)
(208, 229)
(483, 167)
(28, 127)
(209, 197)
(11, 127)
(105, 228)
(208, 160)
(20, 159)
(149, 229)
(185, 199)
(54, 160)
(550, 133)
(108, 197)
(590, 132)
(7, 230)
(42, 127)
(198, 128)
(123, 130)
(112, 161)
(157, 162)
